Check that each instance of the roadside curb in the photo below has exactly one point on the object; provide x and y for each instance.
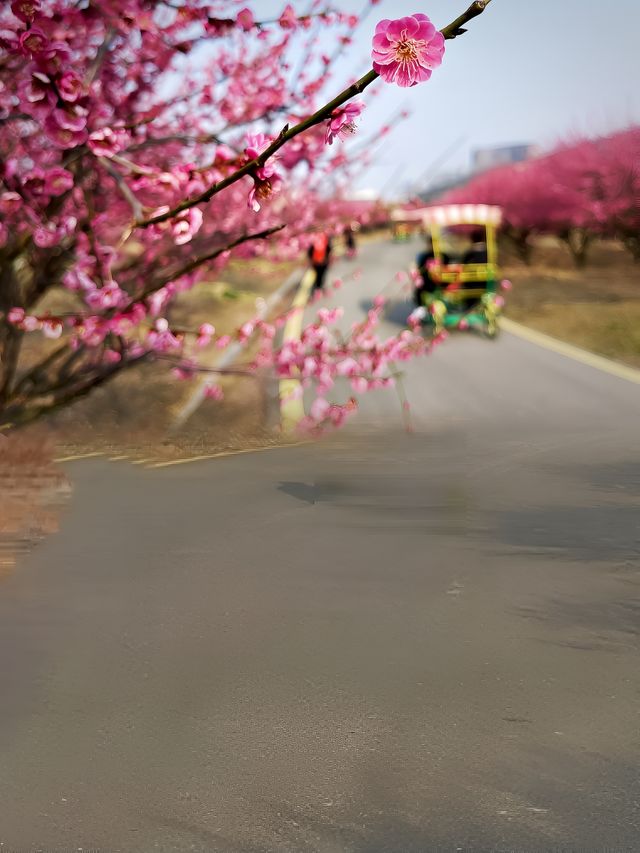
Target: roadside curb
(291, 402)
(232, 352)
(599, 362)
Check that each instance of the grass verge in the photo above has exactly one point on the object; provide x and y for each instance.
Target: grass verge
(596, 308)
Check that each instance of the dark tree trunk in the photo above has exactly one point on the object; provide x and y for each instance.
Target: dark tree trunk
(578, 241)
(520, 238)
(631, 243)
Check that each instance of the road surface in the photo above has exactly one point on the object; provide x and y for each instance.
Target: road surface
(380, 643)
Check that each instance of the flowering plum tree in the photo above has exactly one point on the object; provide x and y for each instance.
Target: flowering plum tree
(579, 191)
(142, 143)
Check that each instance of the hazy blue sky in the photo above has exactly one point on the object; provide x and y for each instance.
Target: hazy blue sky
(527, 71)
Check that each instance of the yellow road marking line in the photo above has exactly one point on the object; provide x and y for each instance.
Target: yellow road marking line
(119, 458)
(599, 362)
(223, 453)
(142, 461)
(76, 456)
(292, 407)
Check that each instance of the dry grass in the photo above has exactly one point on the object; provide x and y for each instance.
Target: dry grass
(597, 308)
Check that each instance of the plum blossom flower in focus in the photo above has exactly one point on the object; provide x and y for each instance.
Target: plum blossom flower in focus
(342, 120)
(406, 51)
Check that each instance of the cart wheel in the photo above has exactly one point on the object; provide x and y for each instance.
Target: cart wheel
(493, 329)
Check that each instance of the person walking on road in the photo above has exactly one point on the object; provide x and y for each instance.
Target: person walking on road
(350, 246)
(320, 256)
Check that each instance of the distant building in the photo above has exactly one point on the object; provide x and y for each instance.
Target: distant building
(442, 185)
(488, 158)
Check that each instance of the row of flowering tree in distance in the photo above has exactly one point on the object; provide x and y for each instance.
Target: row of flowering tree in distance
(143, 143)
(578, 192)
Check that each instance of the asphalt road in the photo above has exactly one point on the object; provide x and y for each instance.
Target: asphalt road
(383, 642)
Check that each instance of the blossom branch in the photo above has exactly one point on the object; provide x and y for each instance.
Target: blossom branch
(451, 31)
(456, 28)
(135, 205)
(209, 256)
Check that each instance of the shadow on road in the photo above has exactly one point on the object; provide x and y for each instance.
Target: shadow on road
(396, 311)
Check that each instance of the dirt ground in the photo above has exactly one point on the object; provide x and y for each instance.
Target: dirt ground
(33, 493)
(597, 308)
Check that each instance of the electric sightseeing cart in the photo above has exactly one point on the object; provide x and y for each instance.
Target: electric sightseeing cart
(460, 294)
(400, 232)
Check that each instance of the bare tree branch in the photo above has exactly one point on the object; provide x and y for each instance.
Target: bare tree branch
(126, 192)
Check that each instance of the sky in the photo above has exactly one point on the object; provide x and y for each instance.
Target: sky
(528, 71)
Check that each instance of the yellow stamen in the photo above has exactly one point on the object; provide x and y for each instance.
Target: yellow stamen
(406, 50)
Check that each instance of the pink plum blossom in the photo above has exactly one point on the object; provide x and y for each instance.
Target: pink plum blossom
(57, 181)
(288, 19)
(342, 120)
(106, 142)
(186, 225)
(111, 356)
(52, 329)
(205, 333)
(213, 391)
(245, 19)
(25, 9)
(30, 323)
(64, 137)
(33, 42)
(106, 297)
(16, 315)
(406, 50)
(10, 202)
(69, 86)
(266, 179)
